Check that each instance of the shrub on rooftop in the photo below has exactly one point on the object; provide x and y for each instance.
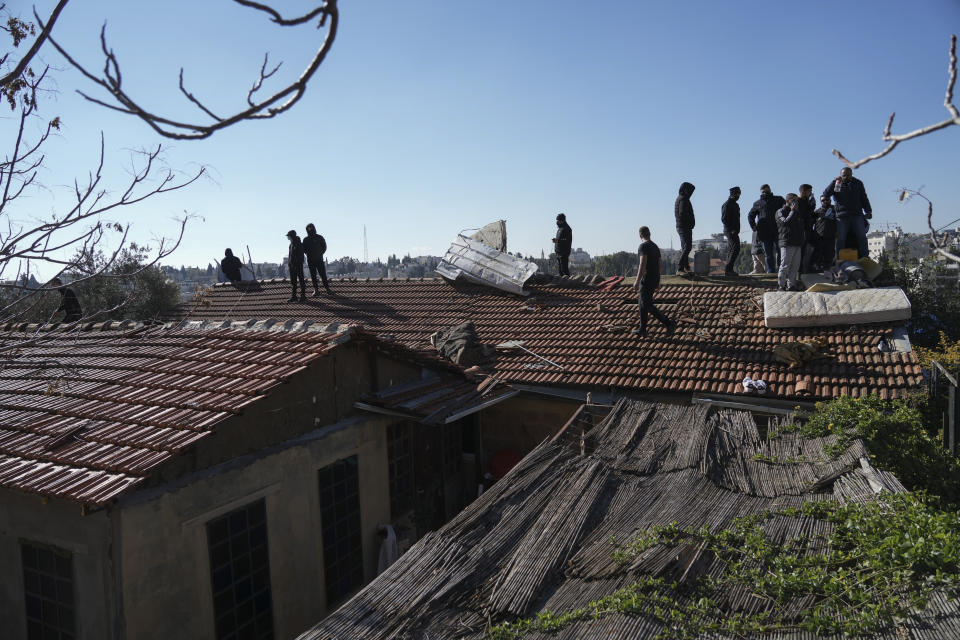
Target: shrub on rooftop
(897, 437)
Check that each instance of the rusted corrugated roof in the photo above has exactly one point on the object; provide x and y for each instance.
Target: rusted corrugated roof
(540, 539)
(721, 337)
(437, 400)
(86, 415)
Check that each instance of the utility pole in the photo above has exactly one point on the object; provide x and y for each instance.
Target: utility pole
(364, 244)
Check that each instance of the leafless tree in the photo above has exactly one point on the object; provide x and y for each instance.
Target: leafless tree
(61, 241)
(895, 139)
(254, 107)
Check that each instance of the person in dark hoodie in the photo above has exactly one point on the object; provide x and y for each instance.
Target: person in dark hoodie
(295, 262)
(562, 244)
(807, 206)
(683, 212)
(231, 266)
(790, 232)
(730, 217)
(315, 246)
(825, 227)
(763, 220)
(69, 302)
(852, 208)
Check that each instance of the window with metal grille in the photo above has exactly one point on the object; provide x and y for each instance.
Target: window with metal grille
(400, 466)
(340, 517)
(48, 591)
(240, 573)
(452, 449)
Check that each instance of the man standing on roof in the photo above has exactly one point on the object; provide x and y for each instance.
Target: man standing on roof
(763, 220)
(69, 302)
(807, 206)
(295, 261)
(648, 281)
(231, 266)
(852, 209)
(562, 243)
(730, 217)
(790, 237)
(683, 212)
(825, 227)
(315, 246)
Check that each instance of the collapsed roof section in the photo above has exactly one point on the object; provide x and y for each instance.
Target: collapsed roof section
(540, 539)
(482, 259)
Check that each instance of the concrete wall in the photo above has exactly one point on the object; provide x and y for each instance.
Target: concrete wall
(61, 524)
(165, 561)
(523, 422)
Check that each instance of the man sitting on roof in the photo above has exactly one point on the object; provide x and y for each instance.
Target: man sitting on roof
(231, 266)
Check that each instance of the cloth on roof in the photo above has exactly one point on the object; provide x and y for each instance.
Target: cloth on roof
(797, 352)
(494, 235)
(460, 345)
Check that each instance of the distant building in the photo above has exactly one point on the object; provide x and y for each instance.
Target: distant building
(580, 259)
(716, 241)
(900, 247)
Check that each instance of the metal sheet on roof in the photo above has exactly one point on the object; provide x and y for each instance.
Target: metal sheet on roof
(480, 263)
(437, 400)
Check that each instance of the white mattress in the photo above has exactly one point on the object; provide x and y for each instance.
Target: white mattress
(829, 308)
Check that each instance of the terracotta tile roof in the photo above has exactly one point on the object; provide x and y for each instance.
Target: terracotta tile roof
(721, 338)
(87, 415)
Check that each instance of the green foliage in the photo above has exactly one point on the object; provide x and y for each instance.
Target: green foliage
(935, 302)
(621, 263)
(130, 288)
(896, 437)
(879, 564)
(946, 352)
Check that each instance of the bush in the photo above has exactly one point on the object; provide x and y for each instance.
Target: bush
(897, 437)
(935, 302)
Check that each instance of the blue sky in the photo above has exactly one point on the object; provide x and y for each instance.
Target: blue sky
(430, 117)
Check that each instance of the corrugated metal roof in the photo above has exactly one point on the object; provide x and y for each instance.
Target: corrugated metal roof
(86, 415)
(437, 400)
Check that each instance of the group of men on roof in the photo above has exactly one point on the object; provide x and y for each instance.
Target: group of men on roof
(789, 233)
(312, 248)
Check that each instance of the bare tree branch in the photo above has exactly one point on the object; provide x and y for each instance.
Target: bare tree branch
(18, 70)
(939, 246)
(111, 80)
(895, 139)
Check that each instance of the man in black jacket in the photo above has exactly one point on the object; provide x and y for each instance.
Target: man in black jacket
(295, 262)
(825, 228)
(806, 206)
(763, 220)
(231, 266)
(852, 208)
(562, 243)
(730, 217)
(790, 239)
(315, 246)
(683, 212)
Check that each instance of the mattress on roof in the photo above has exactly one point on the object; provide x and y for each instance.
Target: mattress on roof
(827, 308)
